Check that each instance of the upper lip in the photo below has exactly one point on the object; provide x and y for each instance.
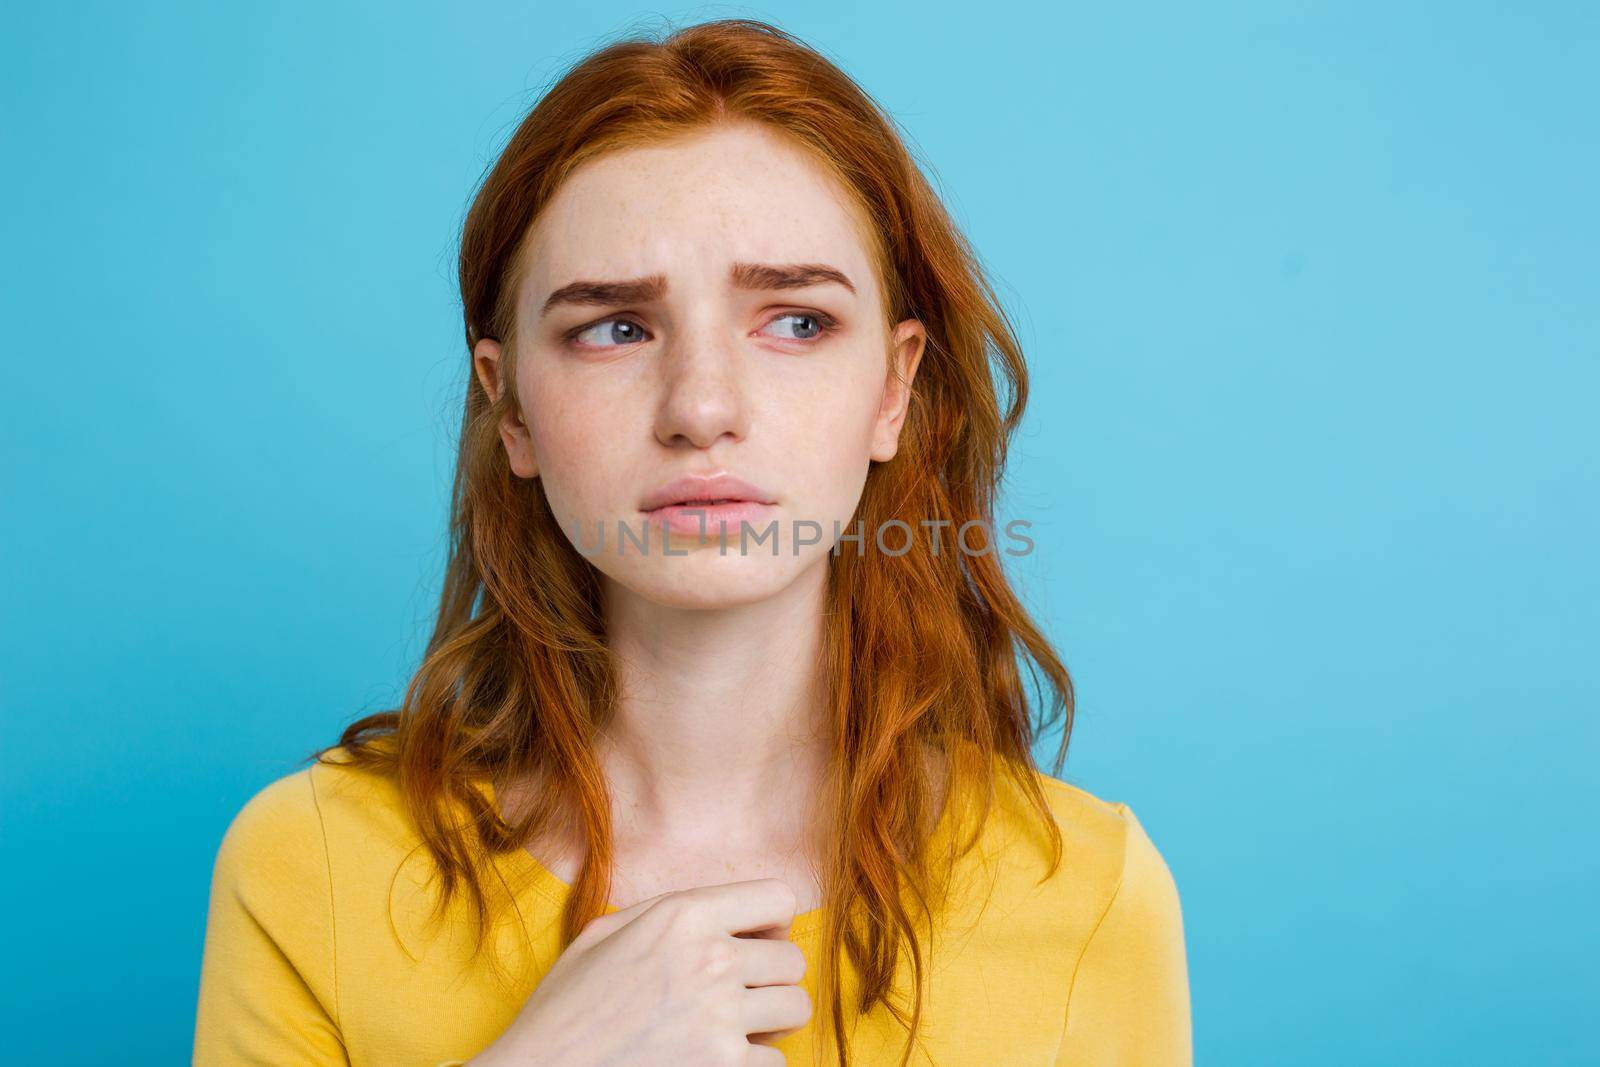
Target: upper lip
(720, 486)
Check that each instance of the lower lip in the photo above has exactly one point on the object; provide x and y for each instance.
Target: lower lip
(691, 519)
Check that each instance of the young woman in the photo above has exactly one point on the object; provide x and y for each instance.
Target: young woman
(722, 717)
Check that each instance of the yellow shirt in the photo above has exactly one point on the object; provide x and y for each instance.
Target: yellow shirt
(316, 948)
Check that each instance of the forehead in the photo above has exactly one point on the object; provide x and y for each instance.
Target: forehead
(689, 208)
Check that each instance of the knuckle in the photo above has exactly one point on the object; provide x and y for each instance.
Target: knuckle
(680, 909)
(785, 893)
(717, 957)
(664, 917)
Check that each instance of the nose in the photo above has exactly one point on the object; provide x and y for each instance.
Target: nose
(702, 389)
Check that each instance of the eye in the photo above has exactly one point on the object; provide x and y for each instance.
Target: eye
(816, 324)
(620, 331)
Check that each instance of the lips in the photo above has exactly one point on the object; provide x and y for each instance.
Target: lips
(705, 490)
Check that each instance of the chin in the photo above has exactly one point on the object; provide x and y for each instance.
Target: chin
(704, 580)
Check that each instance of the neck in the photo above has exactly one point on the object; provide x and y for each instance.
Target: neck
(719, 734)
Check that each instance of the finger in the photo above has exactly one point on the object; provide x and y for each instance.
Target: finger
(765, 962)
(609, 923)
(761, 1056)
(772, 1037)
(760, 907)
(773, 1007)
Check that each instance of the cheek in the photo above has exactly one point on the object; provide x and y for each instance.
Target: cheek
(575, 444)
(835, 402)
(855, 408)
(828, 432)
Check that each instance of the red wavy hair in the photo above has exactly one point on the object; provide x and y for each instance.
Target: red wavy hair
(921, 649)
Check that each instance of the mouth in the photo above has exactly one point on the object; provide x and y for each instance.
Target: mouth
(706, 490)
(713, 519)
(707, 503)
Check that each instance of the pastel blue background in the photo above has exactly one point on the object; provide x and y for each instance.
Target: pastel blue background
(1310, 295)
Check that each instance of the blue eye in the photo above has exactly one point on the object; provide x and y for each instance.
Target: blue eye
(622, 331)
(616, 332)
(819, 324)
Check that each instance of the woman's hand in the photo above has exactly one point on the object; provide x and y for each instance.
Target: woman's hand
(705, 976)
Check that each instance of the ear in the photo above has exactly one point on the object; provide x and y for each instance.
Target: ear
(489, 367)
(905, 355)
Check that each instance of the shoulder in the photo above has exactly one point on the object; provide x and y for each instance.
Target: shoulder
(1090, 821)
(1111, 830)
(1136, 939)
(269, 974)
(1107, 857)
(277, 827)
(1096, 833)
(271, 891)
(289, 830)
(1128, 991)
(1107, 826)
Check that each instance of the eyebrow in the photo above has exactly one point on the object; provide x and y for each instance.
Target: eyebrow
(753, 276)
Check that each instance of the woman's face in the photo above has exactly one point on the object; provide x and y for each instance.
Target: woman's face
(717, 356)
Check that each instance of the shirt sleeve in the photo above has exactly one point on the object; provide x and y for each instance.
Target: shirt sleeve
(268, 987)
(1129, 1001)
